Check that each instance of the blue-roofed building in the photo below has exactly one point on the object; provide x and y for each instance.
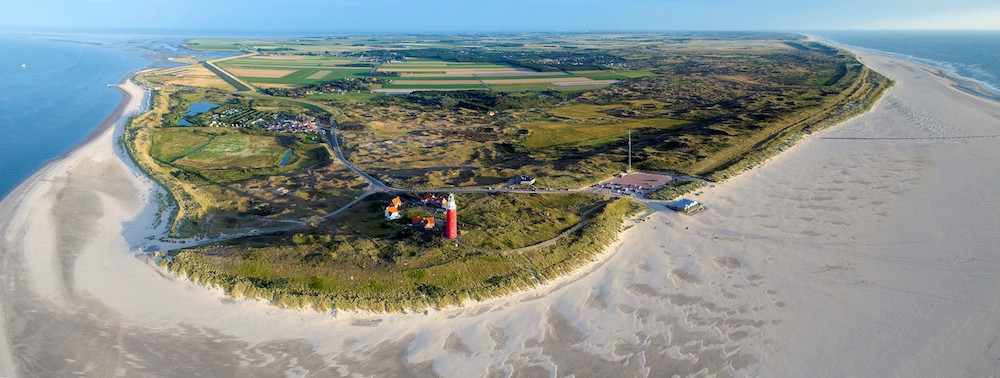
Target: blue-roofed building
(686, 206)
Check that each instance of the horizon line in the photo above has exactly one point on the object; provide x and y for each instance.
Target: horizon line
(277, 33)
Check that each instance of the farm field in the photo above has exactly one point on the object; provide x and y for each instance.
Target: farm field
(286, 71)
(194, 75)
(428, 74)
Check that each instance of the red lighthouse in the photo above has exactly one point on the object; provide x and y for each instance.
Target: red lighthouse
(451, 229)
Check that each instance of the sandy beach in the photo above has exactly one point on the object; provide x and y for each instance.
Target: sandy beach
(869, 249)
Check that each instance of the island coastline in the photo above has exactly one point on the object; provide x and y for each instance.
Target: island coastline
(101, 141)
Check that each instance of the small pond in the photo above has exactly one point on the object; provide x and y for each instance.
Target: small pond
(196, 109)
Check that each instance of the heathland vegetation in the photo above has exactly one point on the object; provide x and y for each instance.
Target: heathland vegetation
(445, 112)
(367, 267)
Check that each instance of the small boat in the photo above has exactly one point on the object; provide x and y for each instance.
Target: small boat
(24, 66)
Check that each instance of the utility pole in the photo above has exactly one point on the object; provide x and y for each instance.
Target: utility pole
(629, 152)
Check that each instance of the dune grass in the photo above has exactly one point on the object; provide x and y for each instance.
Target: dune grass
(412, 273)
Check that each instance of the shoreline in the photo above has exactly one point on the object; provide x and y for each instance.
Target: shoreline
(739, 288)
(968, 85)
(27, 188)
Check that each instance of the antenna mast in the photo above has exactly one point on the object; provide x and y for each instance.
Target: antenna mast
(629, 152)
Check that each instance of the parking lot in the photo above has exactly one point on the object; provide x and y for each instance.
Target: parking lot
(635, 183)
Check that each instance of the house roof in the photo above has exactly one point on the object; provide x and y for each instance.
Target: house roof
(396, 201)
(391, 209)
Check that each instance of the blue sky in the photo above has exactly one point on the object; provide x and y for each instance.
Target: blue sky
(500, 15)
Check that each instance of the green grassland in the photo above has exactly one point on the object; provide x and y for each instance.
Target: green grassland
(235, 151)
(514, 221)
(550, 134)
(171, 144)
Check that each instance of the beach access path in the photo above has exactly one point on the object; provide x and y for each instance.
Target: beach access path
(839, 257)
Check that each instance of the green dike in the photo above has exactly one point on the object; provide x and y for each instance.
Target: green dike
(324, 272)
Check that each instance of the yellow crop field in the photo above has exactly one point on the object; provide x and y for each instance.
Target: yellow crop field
(257, 72)
(191, 76)
(318, 75)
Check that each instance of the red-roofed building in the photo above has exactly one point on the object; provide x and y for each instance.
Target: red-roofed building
(392, 213)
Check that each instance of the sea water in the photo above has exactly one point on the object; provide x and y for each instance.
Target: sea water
(973, 55)
(53, 94)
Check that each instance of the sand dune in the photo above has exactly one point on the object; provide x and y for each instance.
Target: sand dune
(869, 249)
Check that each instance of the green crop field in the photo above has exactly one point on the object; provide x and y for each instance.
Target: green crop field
(307, 70)
(306, 61)
(480, 77)
(422, 75)
(549, 134)
(521, 87)
(302, 77)
(433, 86)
